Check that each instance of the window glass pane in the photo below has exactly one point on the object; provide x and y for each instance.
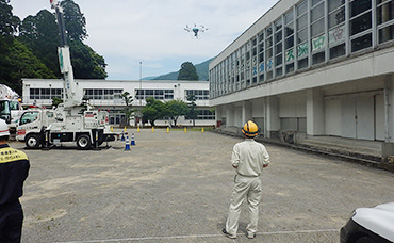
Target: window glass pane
(278, 36)
(314, 2)
(317, 27)
(28, 117)
(268, 31)
(269, 42)
(333, 4)
(337, 51)
(336, 18)
(385, 12)
(318, 58)
(278, 48)
(261, 57)
(302, 36)
(303, 63)
(361, 23)
(254, 42)
(317, 12)
(159, 92)
(149, 92)
(289, 18)
(386, 34)
(270, 75)
(261, 36)
(279, 72)
(359, 6)
(302, 22)
(361, 42)
(289, 68)
(289, 30)
(278, 60)
(302, 7)
(289, 42)
(278, 24)
(269, 53)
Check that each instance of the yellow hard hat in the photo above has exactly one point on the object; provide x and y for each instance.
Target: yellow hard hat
(250, 129)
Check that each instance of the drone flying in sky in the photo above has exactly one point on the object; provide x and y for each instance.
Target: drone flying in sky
(196, 30)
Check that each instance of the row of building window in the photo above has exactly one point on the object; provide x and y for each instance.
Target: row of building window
(204, 115)
(311, 33)
(158, 94)
(198, 94)
(169, 94)
(45, 93)
(102, 94)
(111, 94)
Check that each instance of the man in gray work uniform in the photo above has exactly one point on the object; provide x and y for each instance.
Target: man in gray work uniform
(248, 158)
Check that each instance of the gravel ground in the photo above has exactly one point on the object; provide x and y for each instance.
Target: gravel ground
(175, 187)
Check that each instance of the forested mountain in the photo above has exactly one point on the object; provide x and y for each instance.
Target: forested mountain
(202, 72)
(28, 47)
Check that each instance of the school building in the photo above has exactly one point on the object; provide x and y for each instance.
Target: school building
(105, 95)
(310, 68)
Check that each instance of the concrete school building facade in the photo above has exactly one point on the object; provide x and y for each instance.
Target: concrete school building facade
(311, 68)
(105, 94)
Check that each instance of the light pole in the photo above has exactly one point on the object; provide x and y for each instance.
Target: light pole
(140, 84)
(140, 94)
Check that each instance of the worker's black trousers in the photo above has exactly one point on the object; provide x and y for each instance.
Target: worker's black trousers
(11, 218)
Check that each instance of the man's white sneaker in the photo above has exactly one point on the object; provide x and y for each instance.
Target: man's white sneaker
(251, 235)
(228, 235)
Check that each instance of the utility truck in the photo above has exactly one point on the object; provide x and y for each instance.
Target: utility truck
(10, 107)
(73, 120)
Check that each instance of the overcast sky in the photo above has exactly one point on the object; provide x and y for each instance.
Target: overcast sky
(127, 32)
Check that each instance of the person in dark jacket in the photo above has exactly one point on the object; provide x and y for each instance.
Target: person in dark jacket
(14, 170)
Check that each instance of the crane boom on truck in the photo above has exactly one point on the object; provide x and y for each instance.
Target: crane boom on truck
(73, 120)
(69, 85)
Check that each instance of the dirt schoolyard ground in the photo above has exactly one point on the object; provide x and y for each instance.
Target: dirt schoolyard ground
(176, 186)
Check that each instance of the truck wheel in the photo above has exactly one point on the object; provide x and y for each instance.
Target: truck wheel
(32, 141)
(84, 142)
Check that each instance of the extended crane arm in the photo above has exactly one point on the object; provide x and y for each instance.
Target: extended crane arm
(69, 85)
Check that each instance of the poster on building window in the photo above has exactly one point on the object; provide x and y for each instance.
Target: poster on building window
(270, 64)
(254, 71)
(336, 35)
(261, 69)
(289, 55)
(302, 50)
(318, 43)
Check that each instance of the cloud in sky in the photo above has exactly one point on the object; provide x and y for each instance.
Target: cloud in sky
(127, 32)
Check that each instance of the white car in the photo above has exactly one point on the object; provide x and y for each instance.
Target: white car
(370, 225)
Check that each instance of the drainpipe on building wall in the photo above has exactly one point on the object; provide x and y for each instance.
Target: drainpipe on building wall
(386, 97)
(387, 151)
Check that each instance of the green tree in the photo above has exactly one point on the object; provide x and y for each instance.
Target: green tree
(154, 109)
(86, 63)
(8, 22)
(128, 99)
(192, 112)
(187, 72)
(74, 20)
(19, 62)
(41, 34)
(56, 101)
(175, 109)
